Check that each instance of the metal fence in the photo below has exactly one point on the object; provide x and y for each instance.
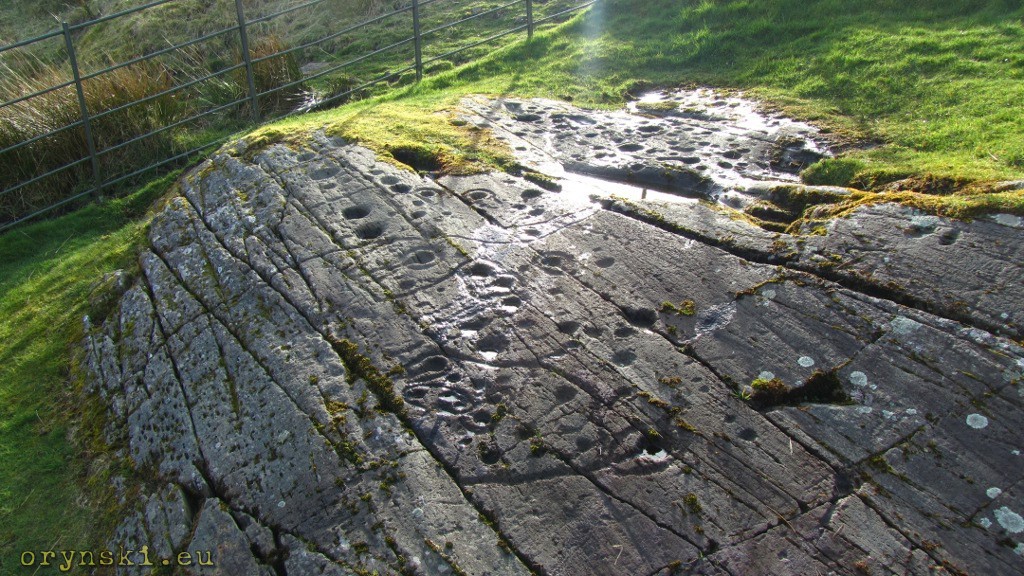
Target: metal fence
(92, 172)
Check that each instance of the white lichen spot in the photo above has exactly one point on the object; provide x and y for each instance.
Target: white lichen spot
(977, 421)
(903, 325)
(858, 378)
(887, 414)
(766, 375)
(1004, 315)
(985, 523)
(805, 361)
(924, 223)
(1019, 549)
(864, 409)
(1009, 220)
(993, 492)
(768, 294)
(1009, 520)
(1015, 452)
(417, 513)
(912, 411)
(280, 504)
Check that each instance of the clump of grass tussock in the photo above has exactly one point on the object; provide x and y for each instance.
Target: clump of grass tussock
(51, 111)
(271, 74)
(122, 87)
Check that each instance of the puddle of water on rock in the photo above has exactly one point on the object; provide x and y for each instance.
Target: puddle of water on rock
(659, 456)
(582, 190)
(725, 142)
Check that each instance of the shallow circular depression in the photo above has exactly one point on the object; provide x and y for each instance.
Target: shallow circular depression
(481, 269)
(356, 212)
(624, 357)
(432, 364)
(323, 172)
(371, 230)
(557, 262)
(479, 194)
(421, 258)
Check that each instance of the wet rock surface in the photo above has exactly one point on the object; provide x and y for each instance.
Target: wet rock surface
(330, 365)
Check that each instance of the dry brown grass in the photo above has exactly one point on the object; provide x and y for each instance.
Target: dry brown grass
(54, 110)
(271, 73)
(57, 109)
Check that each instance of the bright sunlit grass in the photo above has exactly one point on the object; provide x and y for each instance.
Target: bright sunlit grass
(934, 88)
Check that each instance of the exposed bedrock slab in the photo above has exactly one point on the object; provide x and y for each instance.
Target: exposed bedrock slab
(331, 366)
(693, 143)
(696, 144)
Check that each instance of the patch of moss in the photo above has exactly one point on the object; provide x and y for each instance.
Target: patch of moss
(684, 425)
(769, 391)
(684, 308)
(361, 367)
(543, 180)
(833, 171)
(692, 503)
(821, 387)
(537, 447)
(444, 554)
(670, 381)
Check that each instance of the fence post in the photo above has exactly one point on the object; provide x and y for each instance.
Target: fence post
(529, 18)
(417, 39)
(83, 107)
(243, 34)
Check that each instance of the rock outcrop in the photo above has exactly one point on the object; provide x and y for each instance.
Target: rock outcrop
(330, 365)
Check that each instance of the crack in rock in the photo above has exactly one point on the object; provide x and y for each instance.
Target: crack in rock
(331, 365)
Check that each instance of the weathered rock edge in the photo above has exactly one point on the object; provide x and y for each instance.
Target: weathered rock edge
(330, 365)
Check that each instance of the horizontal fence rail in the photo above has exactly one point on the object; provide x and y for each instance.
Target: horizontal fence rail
(97, 162)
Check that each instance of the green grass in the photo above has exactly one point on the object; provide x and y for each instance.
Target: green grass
(47, 271)
(44, 65)
(934, 87)
(21, 19)
(905, 88)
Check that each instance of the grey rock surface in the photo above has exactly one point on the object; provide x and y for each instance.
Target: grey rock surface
(330, 365)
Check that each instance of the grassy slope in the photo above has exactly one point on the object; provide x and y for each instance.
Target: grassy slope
(20, 19)
(46, 274)
(938, 86)
(931, 83)
(933, 91)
